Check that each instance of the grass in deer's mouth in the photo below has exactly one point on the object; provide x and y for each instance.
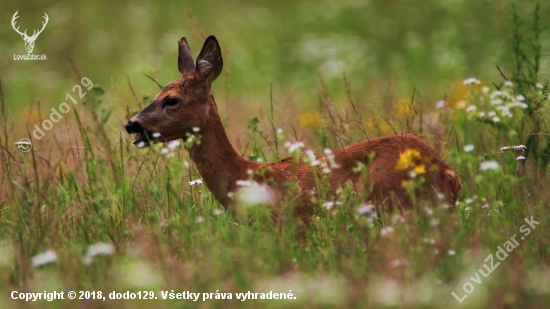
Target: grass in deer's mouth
(142, 140)
(145, 138)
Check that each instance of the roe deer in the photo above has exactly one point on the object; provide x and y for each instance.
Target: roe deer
(187, 105)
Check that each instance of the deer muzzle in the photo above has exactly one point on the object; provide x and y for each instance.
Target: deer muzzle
(144, 138)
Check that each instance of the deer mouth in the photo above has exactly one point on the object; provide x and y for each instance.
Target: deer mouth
(146, 138)
(142, 141)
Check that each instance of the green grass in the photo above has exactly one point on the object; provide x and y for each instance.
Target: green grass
(86, 184)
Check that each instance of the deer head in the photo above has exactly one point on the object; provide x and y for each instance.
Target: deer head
(29, 40)
(184, 105)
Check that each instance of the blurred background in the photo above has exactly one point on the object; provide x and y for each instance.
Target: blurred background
(385, 48)
(84, 184)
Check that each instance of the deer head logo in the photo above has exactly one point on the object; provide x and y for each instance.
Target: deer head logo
(29, 40)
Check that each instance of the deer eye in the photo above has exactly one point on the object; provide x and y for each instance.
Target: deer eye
(170, 102)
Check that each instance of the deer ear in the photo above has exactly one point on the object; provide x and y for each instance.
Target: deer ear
(209, 61)
(186, 65)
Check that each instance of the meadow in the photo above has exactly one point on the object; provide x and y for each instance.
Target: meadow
(85, 210)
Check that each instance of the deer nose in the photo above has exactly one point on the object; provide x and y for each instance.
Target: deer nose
(133, 127)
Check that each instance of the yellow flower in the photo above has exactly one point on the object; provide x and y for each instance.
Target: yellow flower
(420, 169)
(404, 108)
(408, 160)
(31, 114)
(378, 125)
(309, 119)
(459, 93)
(61, 168)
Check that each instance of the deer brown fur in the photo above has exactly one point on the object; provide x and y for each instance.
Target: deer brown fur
(187, 105)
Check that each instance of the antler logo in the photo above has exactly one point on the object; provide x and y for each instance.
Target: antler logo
(29, 40)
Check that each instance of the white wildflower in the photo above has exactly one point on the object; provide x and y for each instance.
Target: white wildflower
(495, 94)
(365, 208)
(485, 206)
(173, 144)
(515, 148)
(485, 89)
(481, 114)
(492, 114)
(386, 230)
(440, 104)
(461, 104)
(396, 218)
(244, 183)
(195, 182)
(217, 212)
(540, 86)
(196, 129)
(292, 147)
(508, 83)
(468, 148)
(312, 158)
(331, 204)
(156, 135)
(253, 193)
(488, 165)
(430, 241)
(397, 263)
(496, 101)
(46, 257)
(471, 108)
(471, 81)
(165, 150)
(371, 219)
(100, 248)
(279, 131)
(199, 219)
(520, 158)
(520, 97)
(330, 158)
(451, 252)
(496, 119)
(140, 144)
(505, 110)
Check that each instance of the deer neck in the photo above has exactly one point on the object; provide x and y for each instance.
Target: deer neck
(217, 161)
